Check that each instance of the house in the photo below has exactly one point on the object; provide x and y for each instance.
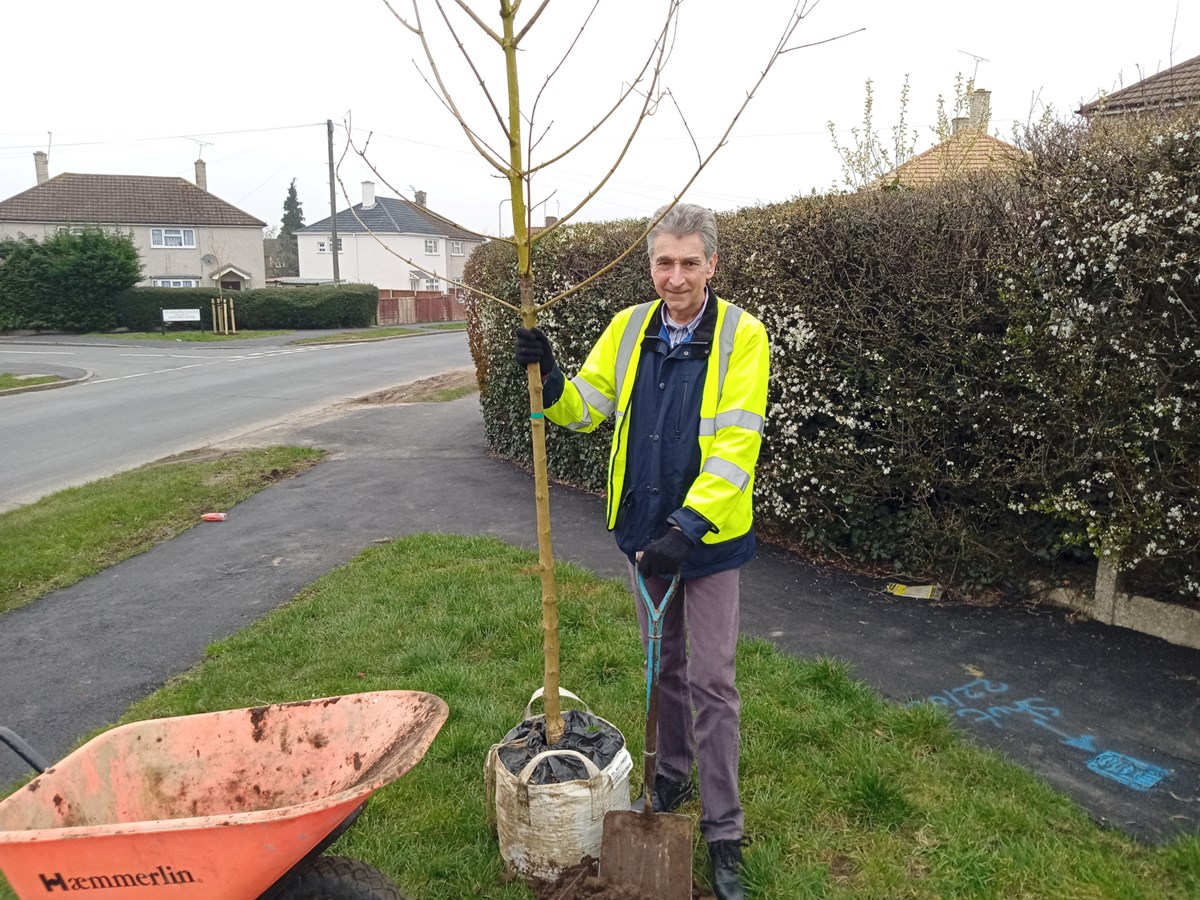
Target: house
(969, 149)
(185, 236)
(374, 239)
(1175, 88)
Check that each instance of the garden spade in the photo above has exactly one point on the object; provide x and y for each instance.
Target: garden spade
(648, 850)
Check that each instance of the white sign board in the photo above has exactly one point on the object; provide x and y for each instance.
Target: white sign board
(181, 315)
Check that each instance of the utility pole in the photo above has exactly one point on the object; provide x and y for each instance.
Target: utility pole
(333, 238)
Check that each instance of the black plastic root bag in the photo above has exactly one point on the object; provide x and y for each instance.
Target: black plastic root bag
(583, 732)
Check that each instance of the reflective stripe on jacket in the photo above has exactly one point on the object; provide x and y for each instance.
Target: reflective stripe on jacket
(732, 411)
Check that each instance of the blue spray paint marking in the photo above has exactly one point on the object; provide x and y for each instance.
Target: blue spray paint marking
(1134, 773)
(1125, 770)
(1083, 742)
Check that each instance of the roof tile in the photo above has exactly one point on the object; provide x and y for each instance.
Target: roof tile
(1171, 88)
(960, 154)
(391, 215)
(76, 199)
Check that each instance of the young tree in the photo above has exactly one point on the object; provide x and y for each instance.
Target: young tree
(510, 153)
(868, 159)
(292, 221)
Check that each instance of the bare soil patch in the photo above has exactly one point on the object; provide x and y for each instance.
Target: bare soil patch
(424, 390)
(583, 882)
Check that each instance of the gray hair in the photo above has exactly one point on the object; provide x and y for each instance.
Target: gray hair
(682, 220)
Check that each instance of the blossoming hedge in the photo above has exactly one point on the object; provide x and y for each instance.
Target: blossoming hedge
(967, 380)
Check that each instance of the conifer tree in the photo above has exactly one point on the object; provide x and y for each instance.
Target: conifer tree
(293, 221)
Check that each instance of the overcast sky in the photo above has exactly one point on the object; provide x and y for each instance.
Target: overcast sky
(134, 87)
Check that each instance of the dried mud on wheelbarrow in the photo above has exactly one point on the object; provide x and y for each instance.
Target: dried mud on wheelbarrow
(582, 882)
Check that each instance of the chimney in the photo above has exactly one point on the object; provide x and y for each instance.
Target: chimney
(41, 165)
(201, 175)
(550, 220)
(981, 109)
(419, 197)
(959, 123)
(368, 194)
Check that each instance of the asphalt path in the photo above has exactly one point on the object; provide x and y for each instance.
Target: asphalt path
(1106, 715)
(145, 400)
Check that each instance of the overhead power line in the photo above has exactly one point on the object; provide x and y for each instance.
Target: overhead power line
(190, 136)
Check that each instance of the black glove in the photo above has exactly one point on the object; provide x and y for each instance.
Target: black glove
(664, 556)
(534, 347)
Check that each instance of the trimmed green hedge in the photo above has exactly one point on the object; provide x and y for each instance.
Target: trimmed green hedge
(347, 306)
(66, 282)
(968, 381)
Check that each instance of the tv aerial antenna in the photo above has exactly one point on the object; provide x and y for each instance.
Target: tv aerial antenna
(200, 145)
(978, 59)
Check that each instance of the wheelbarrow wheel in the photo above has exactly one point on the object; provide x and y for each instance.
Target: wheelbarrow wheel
(341, 878)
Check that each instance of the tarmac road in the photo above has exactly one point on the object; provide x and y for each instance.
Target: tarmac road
(148, 399)
(1109, 716)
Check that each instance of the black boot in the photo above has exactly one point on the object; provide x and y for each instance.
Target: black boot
(667, 795)
(725, 857)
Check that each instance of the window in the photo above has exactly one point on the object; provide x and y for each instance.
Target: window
(432, 284)
(172, 237)
(323, 246)
(456, 248)
(176, 282)
(431, 246)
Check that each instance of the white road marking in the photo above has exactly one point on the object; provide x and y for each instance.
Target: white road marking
(41, 352)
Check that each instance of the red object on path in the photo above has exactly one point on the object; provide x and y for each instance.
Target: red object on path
(213, 517)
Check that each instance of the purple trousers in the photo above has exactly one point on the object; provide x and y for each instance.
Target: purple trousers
(699, 709)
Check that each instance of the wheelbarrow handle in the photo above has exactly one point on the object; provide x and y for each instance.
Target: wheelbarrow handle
(21, 747)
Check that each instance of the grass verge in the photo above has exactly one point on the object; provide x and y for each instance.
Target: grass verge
(191, 337)
(7, 381)
(846, 794)
(374, 334)
(75, 533)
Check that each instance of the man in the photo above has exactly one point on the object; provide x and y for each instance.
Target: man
(686, 377)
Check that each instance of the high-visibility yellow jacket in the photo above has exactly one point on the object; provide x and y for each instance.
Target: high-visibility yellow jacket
(732, 411)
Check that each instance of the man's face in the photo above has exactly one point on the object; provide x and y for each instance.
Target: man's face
(680, 270)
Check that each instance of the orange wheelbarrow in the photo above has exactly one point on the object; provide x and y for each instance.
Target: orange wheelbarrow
(217, 806)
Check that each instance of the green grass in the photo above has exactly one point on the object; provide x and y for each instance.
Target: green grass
(72, 534)
(374, 334)
(8, 381)
(446, 326)
(448, 394)
(846, 794)
(193, 337)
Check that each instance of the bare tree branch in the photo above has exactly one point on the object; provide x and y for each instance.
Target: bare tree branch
(496, 159)
(416, 265)
(362, 154)
(470, 62)
(554, 71)
(686, 127)
(479, 146)
(828, 40)
(537, 12)
(378, 240)
(400, 18)
(798, 13)
(478, 21)
(649, 104)
(672, 15)
(534, 143)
